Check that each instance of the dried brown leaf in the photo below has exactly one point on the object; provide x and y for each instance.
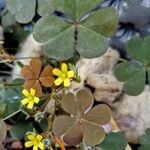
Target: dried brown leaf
(46, 76)
(36, 66)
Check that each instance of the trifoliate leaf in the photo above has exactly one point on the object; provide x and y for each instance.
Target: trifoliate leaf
(133, 73)
(113, 141)
(62, 38)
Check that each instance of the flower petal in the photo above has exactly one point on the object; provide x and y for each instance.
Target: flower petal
(24, 101)
(66, 82)
(39, 137)
(41, 146)
(35, 147)
(30, 105)
(31, 137)
(92, 133)
(29, 144)
(100, 114)
(32, 92)
(74, 135)
(70, 74)
(69, 104)
(61, 124)
(25, 93)
(36, 100)
(58, 81)
(57, 72)
(84, 100)
(64, 68)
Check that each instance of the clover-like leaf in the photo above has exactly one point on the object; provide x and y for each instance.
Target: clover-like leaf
(35, 77)
(24, 10)
(133, 73)
(76, 31)
(144, 140)
(84, 122)
(113, 141)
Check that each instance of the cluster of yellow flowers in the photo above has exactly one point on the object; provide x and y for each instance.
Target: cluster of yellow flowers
(64, 75)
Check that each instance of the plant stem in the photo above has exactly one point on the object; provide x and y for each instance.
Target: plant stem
(11, 115)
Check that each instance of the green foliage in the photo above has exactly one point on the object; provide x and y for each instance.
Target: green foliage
(10, 97)
(113, 141)
(144, 140)
(8, 19)
(133, 73)
(18, 130)
(24, 10)
(83, 33)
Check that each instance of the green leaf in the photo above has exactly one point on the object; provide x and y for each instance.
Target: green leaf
(8, 19)
(12, 97)
(75, 8)
(90, 44)
(104, 21)
(18, 130)
(62, 38)
(135, 85)
(24, 10)
(139, 49)
(60, 47)
(133, 76)
(113, 141)
(45, 7)
(144, 140)
(48, 28)
(126, 70)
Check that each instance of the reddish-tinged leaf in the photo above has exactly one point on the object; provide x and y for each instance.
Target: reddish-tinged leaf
(27, 73)
(61, 124)
(36, 66)
(84, 100)
(74, 135)
(92, 133)
(69, 104)
(46, 76)
(100, 114)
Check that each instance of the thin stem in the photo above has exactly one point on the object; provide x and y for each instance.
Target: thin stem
(11, 115)
(10, 73)
(18, 58)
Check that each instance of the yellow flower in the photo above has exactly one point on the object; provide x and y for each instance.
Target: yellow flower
(30, 98)
(35, 141)
(64, 75)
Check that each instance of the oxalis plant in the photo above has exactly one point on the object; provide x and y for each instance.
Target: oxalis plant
(40, 106)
